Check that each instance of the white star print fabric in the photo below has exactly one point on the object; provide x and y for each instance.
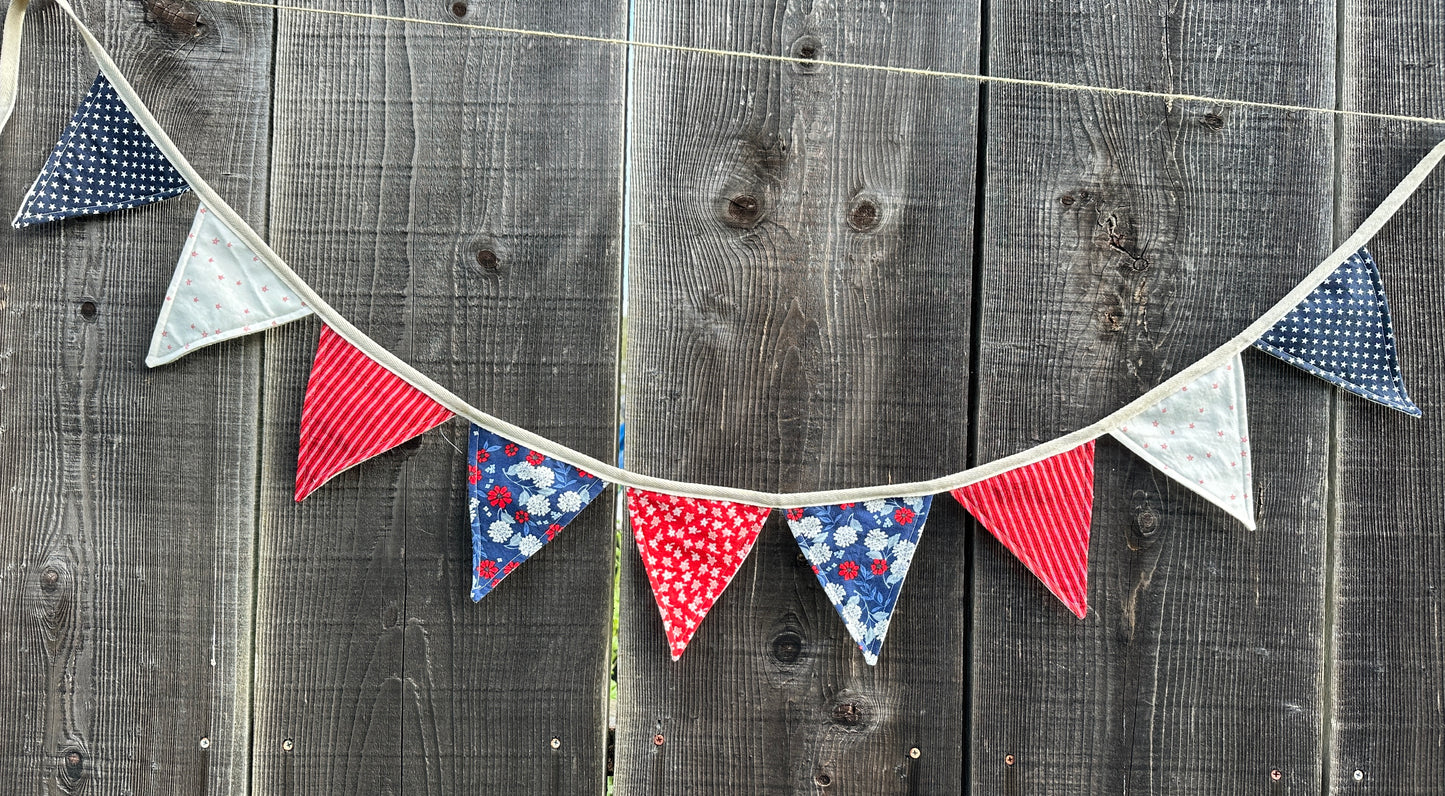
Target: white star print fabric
(1199, 436)
(104, 161)
(1342, 333)
(220, 290)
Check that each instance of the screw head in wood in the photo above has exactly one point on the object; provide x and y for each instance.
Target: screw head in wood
(1275, 774)
(288, 744)
(915, 753)
(205, 742)
(1009, 760)
(1359, 775)
(657, 740)
(556, 743)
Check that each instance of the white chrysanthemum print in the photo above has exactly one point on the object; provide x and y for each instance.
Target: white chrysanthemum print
(472, 506)
(876, 541)
(819, 554)
(500, 530)
(845, 536)
(569, 501)
(852, 613)
(543, 477)
(539, 505)
(875, 506)
(808, 527)
(835, 592)
(914, 503)
(529, 545)
(521, 471)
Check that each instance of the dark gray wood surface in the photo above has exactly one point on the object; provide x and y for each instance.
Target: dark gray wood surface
(1123, 239)
(801, 267)
(809, 307)
(401, 153)
(125, 623)
(1387, 678)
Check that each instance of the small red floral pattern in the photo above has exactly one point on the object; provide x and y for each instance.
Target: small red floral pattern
(691, 549)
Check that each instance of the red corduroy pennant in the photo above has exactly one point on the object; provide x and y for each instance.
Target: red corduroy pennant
(690, 548)
(1041, 513)
(354, 410)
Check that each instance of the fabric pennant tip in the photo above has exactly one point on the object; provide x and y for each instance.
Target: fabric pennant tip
(355, 409)
(861, 553)
(691, 549)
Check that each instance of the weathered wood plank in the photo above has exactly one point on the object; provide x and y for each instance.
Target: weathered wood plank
(800, 276)
(1389, 654)
(127, 530)
(404, 152)
(1124, 239)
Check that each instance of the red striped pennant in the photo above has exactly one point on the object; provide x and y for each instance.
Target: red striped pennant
(1041, 513)
(354, 410)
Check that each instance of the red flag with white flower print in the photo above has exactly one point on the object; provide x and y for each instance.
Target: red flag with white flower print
(691, 549)
(354, 410)
(1041, 513)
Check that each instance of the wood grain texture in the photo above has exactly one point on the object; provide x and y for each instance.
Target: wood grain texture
(1388, 683)
(799, 283)
(403, 152)
(1123, 239)
(127, 528)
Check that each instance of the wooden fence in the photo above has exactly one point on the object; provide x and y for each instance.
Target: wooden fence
(834, 277)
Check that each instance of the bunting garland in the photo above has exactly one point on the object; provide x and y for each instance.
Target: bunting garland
(693, 538)
(1343, 334)
(861, 553)
(1041, 513)
(1200, 437)
(354, 410)
(104, 161)
(221, 289)
(691, 550)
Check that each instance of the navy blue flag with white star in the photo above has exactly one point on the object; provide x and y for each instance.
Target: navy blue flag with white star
(104, 161)
(1342, 333)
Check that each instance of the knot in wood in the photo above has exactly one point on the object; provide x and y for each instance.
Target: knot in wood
(1146, 521)
(848, 714)
(88, 309)
(459, 9)
(74, 767)
(863, 216)
(823, 779)
(1212, 120)
(787, 647)
(1067, 200)
(487, 258)
(808, 49)
(49, 579)
(743, 210)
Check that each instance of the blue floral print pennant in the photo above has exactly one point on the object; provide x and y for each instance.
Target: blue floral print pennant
(104, 161)
(861, 553)
(520, 500)
(1342, 333)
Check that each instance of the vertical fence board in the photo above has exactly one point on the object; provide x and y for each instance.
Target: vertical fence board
(127, 527)
(1124, 238)
(405, 151)
(799, 290)
(1388, 684)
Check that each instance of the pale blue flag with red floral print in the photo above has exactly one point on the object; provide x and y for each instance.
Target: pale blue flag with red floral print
(861, 553)
(520, 500)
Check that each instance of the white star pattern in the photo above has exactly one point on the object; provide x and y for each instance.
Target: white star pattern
(1342, 333)
(104, 161)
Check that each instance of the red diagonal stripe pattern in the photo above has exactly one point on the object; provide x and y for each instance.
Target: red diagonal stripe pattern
(1041, 513)
(354, 410)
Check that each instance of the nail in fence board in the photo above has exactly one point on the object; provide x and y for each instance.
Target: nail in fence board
(127, 527)
(1387, 684)
(800, 279)
(406, 152)
(1125, 238)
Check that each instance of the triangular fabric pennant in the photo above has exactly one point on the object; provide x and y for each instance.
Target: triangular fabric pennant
(1342, 333)
(1041, 513)
(221, 289)
(520, 500)
(1199, 436)
(354, 410)
(691, 549)
(104, 161)
(861, 553)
